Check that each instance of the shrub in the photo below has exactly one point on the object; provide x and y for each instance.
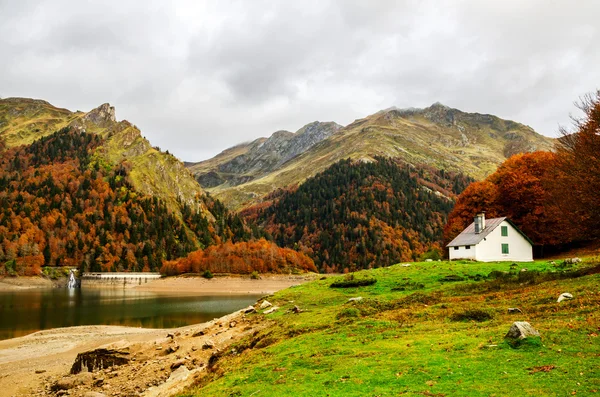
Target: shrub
(451, 278)
(472, 315)
(207, 274)
(408, 286)
(254, 275)
(350, 281)
(349, 312)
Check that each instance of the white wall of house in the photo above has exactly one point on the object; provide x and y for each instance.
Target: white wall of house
(463, 253)
(490, 249)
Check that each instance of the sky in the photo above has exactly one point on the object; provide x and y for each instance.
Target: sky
(198, 77)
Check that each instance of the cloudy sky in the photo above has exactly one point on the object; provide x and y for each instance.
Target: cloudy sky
(198, 77)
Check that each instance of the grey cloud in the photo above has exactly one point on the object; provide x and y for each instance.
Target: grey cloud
(198, 77)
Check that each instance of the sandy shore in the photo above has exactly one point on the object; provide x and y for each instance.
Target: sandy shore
(33, 364)
(230, 285)
(20, 283)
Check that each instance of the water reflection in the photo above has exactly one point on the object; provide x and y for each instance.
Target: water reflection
(24, 312)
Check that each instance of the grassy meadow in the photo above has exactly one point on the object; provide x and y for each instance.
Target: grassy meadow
(428, 329)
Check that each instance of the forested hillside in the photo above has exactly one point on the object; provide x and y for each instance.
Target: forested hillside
(358, 215)
(62, 205)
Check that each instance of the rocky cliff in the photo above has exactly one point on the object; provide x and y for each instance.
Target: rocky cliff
(260, 157)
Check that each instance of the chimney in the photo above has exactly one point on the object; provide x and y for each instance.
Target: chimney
(479, 222)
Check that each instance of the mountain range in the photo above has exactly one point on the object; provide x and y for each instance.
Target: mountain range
(439, 136)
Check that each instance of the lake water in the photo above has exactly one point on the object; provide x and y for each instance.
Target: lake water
(26, 311)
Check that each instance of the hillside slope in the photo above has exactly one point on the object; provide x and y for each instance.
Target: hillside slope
(152, 172)
(438, 136)
(61, 206)
(357, 215)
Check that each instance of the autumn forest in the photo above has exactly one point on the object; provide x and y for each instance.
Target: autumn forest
(61, 206)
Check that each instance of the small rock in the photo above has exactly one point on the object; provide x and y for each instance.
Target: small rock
(171, 336)
(177, 364)
(271, 310)
(524, 269)
(265, 304)
(405, 265)
(232, 324)
(69, 382)
(564, 297)
(572, 260)
(296, 309)
(172, 349)
(194, 348)
(428, 260)
(521, 330)
(40, 371)
(208, 344)
(357, 299)
(249, 309)
(513, 310)
(199, 333)
(158, 347)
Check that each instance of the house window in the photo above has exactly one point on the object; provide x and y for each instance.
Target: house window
(505, 248)
(455, 248)
(467, 247)
(504, 231)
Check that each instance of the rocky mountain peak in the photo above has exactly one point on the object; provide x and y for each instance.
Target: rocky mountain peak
(102, 115)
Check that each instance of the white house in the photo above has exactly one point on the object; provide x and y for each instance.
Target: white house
(496, 239)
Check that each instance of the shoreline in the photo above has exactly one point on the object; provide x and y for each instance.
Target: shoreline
(43, 359)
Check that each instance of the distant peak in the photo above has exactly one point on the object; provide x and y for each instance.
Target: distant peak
(102, 114)
(439, 105)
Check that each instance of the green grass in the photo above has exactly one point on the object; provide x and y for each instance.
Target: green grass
(414, 342)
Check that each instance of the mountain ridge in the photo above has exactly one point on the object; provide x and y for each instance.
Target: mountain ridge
(438, 136)
(153, 172)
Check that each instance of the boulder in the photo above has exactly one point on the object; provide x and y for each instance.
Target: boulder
(208, 344)
(265, 304)
(521, 330)
(249, 309)
(564, 297)
(179, 374)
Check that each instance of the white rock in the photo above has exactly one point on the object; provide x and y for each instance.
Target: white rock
(358, 298)
(271, 310)
(521, 330)
(265, 304)
(405, 264)
(564, 297)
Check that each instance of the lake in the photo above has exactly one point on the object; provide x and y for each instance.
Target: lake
(26, 311)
